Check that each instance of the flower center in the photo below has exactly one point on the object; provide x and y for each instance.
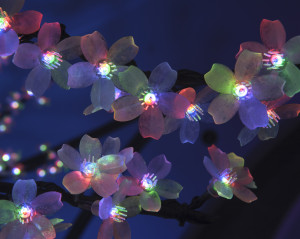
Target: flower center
(228, 177)
(88, 167)
(4, 21)
(193, 112)
(273, 118)
(106, 69)
(51, 60)
(242, 90)
(25, 214)
(118, 213)
(149, 99)
(274, 60)
(148, 182)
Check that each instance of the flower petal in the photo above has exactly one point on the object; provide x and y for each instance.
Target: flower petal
(159, 166)
(188, 93)
(127, 108)
(243, 175)
(24, 191)
(105, 206)
(137, 166)
(132, 205)
(104, 184)
(44, 226)
(272, 34)
(49, 35)
(12, 6)
(27, 56)
(111, 145)
(210, 167)
(69, 48)
(106, 230)
(189, 131)
(133, 188)
(253, 113)
(168, 188)
(247, 135)
(151, 123)
(219, 158)
(220, 78)
(127, 153)
(81, 74)
(90, 148)
(103, 94)
(122, 230)
(223, 190)
(7, 211)
(60, 75)
(47, 203)
(112, 164)
(70, 157)
(291, 74)
(27, 22)
(163, 77)
(171, 124)
(94, 47)
(247, 65)
(173, 105)
(9, 43)
(75, 182)
(268, 87)
(288, 111)
(243, 193)
(223, 108)
(13, 230)
(123, 51)
(150, 201)
(235, 160)
(251, 46)
(38, 80)
(292, 49)
(268, 133)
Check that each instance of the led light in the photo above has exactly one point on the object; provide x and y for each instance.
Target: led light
(4, 21)
(25, 214)
(3, 128)
(43, 147)
(59, 163)
(30, 93)
(148, 99)
(193, 112)
(15, 105)
(106, 69)
(88, 167)
(16, 171)
(228, 177)
(41, 173)
(242, 90)
(148, 182)
(51, 60)
(52, 170)
(5, 157)
(273, 118)
(118, 213)
(274, 60)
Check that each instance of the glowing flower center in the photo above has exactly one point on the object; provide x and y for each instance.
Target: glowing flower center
(118, 213)
(273, 118)
(274, 60)
(149, 99)
(242, 90)
(25, 214)
(106, 69)
(51, 60)
(4, 20)
(88, 167)
(228, 177)
(193, 112)
(148, 182)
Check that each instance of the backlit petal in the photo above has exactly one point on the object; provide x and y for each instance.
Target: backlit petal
(189, 131)
(188, 93)
(104, 184)
(49, 35)
(111, 145)
(210, 167)
(291, 74)
(106, 230)
(292, 49)
(168, 188)
(60, 74)
(112, 164)
(27, 56)
(47, 203)
(137, 166)
(90, 148)
(235, 160)
(27, 22)
(159, 166)
(24, 191)
(268, 133)
(272, 34)
(11, 6)
(81, 74)
(151, 123)
(247, 135)
(219, 158)
(288, 111)
(223, 190)
(70, 157)
(7, 211)
(70, 48)
(75, 182)
(150, 201)
(122, 230)
(244, 193)
(103, 94)
(105, 206)
(9, 43)
(252, 46)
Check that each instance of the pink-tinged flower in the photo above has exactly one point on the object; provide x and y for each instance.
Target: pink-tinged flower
(45, 60)
(278, 54)
(102, 67)
(96, 165)
(243, 91)
(149, 183)
(230, 177)
(149, 99)
(13, 23)
(24, 217)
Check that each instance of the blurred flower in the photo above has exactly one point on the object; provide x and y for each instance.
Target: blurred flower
(24, 216)
(230, 177)
(149, 99)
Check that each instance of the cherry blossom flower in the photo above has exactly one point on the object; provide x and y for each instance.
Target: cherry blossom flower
(45, 60)
(94, 165)
(102, 67)
(24, 217)
(278, 55)
(243, 91)
(149, 99)
(230, 177)
(13, 23)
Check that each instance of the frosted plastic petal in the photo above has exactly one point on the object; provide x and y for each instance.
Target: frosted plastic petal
(105, 206)
(75, 182)
(70, 157)
(189, 131)
(94, 47)
(223, 190)
(220, 78)
(13, 230)
(104, 184)
(27, 56)
(127, 108)
(106, 230)
(159, 166)
(123, 51)
(90, 110)
(171, 124)
(163, 77)
(243, 193)
(81, 75)
(151, 123)
(95, 208)
(268, 87)
(247, 135)
(219, 158)
(268, 133)
(247, 65)
(111, 145)
(205, 95)
(173, 105)
(27, 22)
(292, 49)
(133, 188)
(243, 175)
(7, 211)
(272, 34)
(223, 108)
(47, 203)
(112, 164)
(188, 93)
(9, 43)
(251, 46)
(137, 166)
(12, 6)
(122, 230)
(24, 191)
(253, 113)
(291, 74)
(60, 75)
(69, 48)
(168, 188)
(103, 94)
(127, 153)
(150, 201)
(44, 226)
(210, 167)
(38, 80)
(288, 111)
(49, 35)
(235, 160)
(133, 206)
(90, 148)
